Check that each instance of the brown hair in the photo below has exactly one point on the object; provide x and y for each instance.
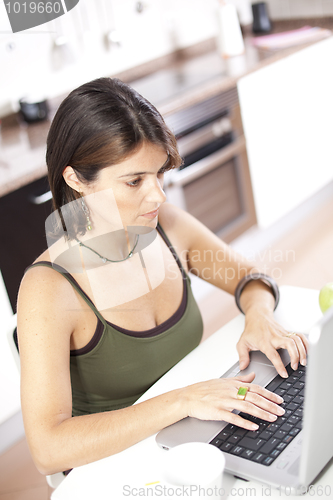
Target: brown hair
(100, 124)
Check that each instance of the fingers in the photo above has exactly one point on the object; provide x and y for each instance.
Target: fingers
(246, 378)
(296, 346)
(233, 418)
(260, 407)
(244, 356)
(302, 346)
(275, 358)
(259, 402)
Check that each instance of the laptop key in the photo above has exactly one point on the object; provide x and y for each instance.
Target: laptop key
(248, 454)
(216, 442)
(253, 434)
(273, 427)
(294, 431)
(251, 444)
(226, 446)
(266, 435)
(234, 439)
(292, 391)
(280, 392)
(280, 434)
(281, 420)
(223, 435)
(270, 445)
(240, 432)
(237, 450)
(274, 384)
(293, 419)
(286, 385)
(286, 427)
(267, 461)
(292, 406)
(258, 457)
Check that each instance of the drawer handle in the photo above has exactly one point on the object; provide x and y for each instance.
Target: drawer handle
(42, 198)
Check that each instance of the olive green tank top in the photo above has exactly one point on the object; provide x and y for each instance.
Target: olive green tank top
(117, 366)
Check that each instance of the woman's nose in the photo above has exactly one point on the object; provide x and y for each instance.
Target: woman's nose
(155, 192)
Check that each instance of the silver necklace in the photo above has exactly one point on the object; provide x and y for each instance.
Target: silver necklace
(105, 259)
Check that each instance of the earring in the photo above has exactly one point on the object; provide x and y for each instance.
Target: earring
(85, 210)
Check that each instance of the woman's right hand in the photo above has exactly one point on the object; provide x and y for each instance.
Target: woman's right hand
(215, 400)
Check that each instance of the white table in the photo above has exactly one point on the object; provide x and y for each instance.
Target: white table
(116, 477)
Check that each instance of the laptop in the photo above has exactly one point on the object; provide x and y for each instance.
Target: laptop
(290, 452)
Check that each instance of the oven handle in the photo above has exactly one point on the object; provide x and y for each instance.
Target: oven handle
(42, 198)
(201, 167)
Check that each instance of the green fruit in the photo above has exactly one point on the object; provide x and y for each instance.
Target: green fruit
(326, 297)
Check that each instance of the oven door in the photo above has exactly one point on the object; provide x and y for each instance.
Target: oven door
(216, 190)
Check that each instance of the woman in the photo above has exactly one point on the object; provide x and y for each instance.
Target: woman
(108, 308)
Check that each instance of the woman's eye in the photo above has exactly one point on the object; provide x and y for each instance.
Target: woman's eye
(134, 183)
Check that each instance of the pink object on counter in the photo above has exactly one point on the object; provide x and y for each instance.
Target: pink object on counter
(290, 38)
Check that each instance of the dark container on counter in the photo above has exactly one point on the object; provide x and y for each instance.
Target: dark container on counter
(261, 21)
(33, 109)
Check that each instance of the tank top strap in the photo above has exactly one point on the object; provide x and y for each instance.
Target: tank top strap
(172, 250)
(72, 281)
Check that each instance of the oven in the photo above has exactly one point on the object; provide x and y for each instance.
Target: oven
(213, 183)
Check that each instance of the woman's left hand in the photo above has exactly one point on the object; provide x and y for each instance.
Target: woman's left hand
(263, 333)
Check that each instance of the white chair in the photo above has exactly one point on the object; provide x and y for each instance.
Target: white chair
(53, 480)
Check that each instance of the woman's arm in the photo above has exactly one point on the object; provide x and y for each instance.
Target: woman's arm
(48, 313)
(214, 261)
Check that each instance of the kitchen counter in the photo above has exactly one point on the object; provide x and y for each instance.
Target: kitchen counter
(171, 83)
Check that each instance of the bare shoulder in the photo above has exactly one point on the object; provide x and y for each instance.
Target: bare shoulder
(43, 293)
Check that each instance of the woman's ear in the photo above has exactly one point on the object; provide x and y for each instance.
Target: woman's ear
(71, 179)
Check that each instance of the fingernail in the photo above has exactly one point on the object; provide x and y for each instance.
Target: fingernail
(284, 374)
(294, 366)
(254, 427)
(272, 417)
(303, 362)
(280, 399)
(280, 411)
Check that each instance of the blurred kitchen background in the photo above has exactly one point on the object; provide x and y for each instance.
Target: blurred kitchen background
(254, 129)
(109, 36)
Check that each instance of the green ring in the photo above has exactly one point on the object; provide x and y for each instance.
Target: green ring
(242, 391)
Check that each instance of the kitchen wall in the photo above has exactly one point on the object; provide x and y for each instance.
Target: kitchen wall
(104, 37)
(289, 9)
(96, 38)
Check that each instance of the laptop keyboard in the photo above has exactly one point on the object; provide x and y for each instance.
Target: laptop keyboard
(265, 444)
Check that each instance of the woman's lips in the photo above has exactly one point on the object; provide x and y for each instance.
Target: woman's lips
(151, 215)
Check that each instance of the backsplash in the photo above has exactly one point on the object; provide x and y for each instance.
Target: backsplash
(105, 37)
(96, 38)
(291, 9)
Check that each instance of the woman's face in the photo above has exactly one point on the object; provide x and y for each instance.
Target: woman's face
(136, 186)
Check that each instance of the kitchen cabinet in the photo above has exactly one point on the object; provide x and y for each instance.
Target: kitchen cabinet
(22, 222)
(287, 110)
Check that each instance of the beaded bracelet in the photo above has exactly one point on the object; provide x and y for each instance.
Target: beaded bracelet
(257, 276)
